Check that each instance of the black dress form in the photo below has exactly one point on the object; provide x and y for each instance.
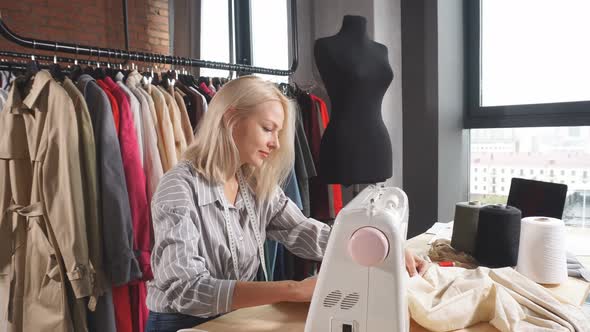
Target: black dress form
(355, 147)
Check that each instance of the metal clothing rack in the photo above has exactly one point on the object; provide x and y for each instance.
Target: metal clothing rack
(53, 58)
(153, 57)
(10, 66)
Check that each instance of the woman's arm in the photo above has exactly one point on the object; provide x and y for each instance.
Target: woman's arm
(307, 237)
(252, 293)
(285, 223)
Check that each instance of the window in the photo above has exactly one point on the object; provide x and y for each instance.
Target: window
(551, 151)
(214, 35)
(269, 25)
(574, 131)
(270, 36)
(545, 72)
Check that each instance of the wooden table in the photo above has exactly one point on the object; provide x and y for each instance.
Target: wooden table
(285, 317)
(290, 317)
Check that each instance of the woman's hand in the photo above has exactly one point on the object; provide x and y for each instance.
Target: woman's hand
(414, 264)
(304, 290)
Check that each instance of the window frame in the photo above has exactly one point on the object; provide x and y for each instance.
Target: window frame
(243, 32)
(528, 115)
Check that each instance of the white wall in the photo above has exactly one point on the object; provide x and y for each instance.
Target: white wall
(388, 32)
(453, 140)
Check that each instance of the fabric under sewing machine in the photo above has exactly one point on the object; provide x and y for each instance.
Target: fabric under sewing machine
(446, 299)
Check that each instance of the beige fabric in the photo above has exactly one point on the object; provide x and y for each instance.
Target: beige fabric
(179, 140)
(166, 144)
(184, 120)
(150, 100)
(152, 162)
(43, 242)
(446, 299)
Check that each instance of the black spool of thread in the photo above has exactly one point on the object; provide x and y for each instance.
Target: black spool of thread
(498, 236)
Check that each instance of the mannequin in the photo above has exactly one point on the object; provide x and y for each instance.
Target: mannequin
(355, 148)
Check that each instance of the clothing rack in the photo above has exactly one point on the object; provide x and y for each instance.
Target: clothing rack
(154, 57)
(50, 58)
(11, 66)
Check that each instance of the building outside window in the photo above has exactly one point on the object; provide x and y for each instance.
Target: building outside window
(553, 150)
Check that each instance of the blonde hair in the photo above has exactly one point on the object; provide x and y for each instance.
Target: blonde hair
(214, 153)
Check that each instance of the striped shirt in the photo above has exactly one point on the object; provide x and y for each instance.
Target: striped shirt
(191, 259)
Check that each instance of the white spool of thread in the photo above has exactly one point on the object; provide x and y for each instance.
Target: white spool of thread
(541, 254)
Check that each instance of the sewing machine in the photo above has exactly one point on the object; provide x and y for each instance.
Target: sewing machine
(361, 284)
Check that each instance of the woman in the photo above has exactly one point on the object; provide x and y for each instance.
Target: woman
(213, 211)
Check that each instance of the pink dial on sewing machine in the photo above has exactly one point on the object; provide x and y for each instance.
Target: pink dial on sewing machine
(368, 246)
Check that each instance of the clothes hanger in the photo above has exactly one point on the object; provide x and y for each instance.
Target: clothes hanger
(155, 77)
(89, 70)
(172, 73)
(109, 71)
(33, 66)
(125, 70)
(117, 69)
(146, 77)
(76, 70)
(55, 69)
(31, 70)
(216, 83)
(99, 72)
(188, 76)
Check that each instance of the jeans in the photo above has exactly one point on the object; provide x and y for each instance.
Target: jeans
(172, 322)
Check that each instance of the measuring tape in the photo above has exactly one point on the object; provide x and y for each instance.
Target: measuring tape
(251, 218)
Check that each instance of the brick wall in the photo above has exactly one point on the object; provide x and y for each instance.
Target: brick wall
(89, 22)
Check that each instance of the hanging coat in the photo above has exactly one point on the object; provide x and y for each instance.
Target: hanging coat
(43, 244)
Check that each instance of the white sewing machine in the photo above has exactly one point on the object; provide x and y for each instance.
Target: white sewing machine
(361, 284)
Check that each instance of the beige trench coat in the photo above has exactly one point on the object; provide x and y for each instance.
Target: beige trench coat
(43, 244)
